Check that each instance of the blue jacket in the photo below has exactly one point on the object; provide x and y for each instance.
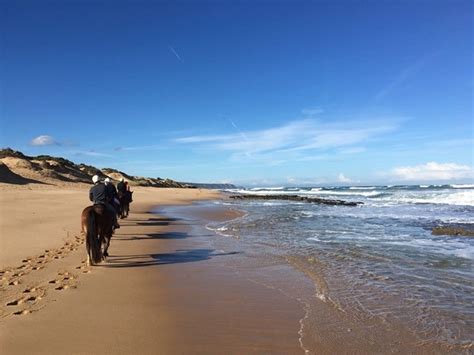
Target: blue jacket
(98, 194)
(111, 191)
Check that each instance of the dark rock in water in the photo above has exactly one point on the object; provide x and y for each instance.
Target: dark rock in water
(196, 185)
(453, 230)
(321, 201)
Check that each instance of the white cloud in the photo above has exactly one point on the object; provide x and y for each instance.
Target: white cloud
(433, 171)
(43, 140)
(295, 140)
(343, 179)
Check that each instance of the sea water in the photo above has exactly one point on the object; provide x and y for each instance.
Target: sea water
(377, 260)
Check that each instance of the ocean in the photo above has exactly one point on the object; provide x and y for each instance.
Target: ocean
(378, 260)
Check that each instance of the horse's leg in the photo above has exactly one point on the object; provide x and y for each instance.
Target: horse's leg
(103, 251)
(88, 252)
(106, 245)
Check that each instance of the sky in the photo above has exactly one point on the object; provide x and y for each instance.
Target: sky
(245, 92)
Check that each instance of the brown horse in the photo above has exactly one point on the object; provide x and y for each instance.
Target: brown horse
(125, 198)
(97, 224)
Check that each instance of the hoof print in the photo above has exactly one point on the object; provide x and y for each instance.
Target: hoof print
(15, 303)
(19, 313)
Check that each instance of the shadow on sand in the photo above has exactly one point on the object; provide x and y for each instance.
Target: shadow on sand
(179, 256)
(156, 221)
(167, 235)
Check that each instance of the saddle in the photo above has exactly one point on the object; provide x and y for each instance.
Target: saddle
(99, 209)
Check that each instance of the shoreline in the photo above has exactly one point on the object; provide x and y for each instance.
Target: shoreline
(162, 289)
(324, 327)
(170, 285)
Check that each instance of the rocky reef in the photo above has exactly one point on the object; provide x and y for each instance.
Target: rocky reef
(320, 201)
(454, 230)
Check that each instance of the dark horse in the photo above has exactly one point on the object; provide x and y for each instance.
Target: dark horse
(125, 198)
(97, 224)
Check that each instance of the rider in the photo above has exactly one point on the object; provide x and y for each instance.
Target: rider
(112, 194)
(121, 187)
(100, 196)
(128, 191)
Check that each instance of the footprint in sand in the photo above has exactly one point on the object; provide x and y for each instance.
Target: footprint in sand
(30, 298)
(15, 302)
(23, 312)
(66, 280)
(9, 277)
(84, 267)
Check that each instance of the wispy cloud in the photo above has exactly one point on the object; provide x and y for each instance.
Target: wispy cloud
(352, 150)
(43, 141)
(405, 75)
(433, 171)
(296, 140)
(151, 147)
(311, 112)
(92, 153)
(176, 54)
(238, 129)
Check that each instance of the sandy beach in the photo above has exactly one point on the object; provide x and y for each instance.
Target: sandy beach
(170, 286)
(161, 291)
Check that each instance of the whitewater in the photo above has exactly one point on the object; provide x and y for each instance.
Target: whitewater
(379, 259)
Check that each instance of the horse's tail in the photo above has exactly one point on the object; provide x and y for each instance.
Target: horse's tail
(92, 237)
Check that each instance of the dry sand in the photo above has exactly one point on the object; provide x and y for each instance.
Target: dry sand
(162, 290)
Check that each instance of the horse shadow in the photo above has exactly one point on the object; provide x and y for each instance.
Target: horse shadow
(162, 236)
(178, 257)
(157, 221)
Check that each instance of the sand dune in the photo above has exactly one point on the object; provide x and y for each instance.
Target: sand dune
(18, 168)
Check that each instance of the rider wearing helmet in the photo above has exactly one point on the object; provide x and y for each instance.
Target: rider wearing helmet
(121, 187)
(111, 190)
(99, 195)
(112, 194)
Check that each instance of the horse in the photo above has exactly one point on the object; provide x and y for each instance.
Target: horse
(97, 225)
(125, 198)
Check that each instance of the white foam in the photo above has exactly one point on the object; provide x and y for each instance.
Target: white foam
(219, 230)
(362, 188)
(308, 214)
(461, 198)
(350, 193)
(267, 188)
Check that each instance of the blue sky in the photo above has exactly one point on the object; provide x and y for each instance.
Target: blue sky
(249, 92)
